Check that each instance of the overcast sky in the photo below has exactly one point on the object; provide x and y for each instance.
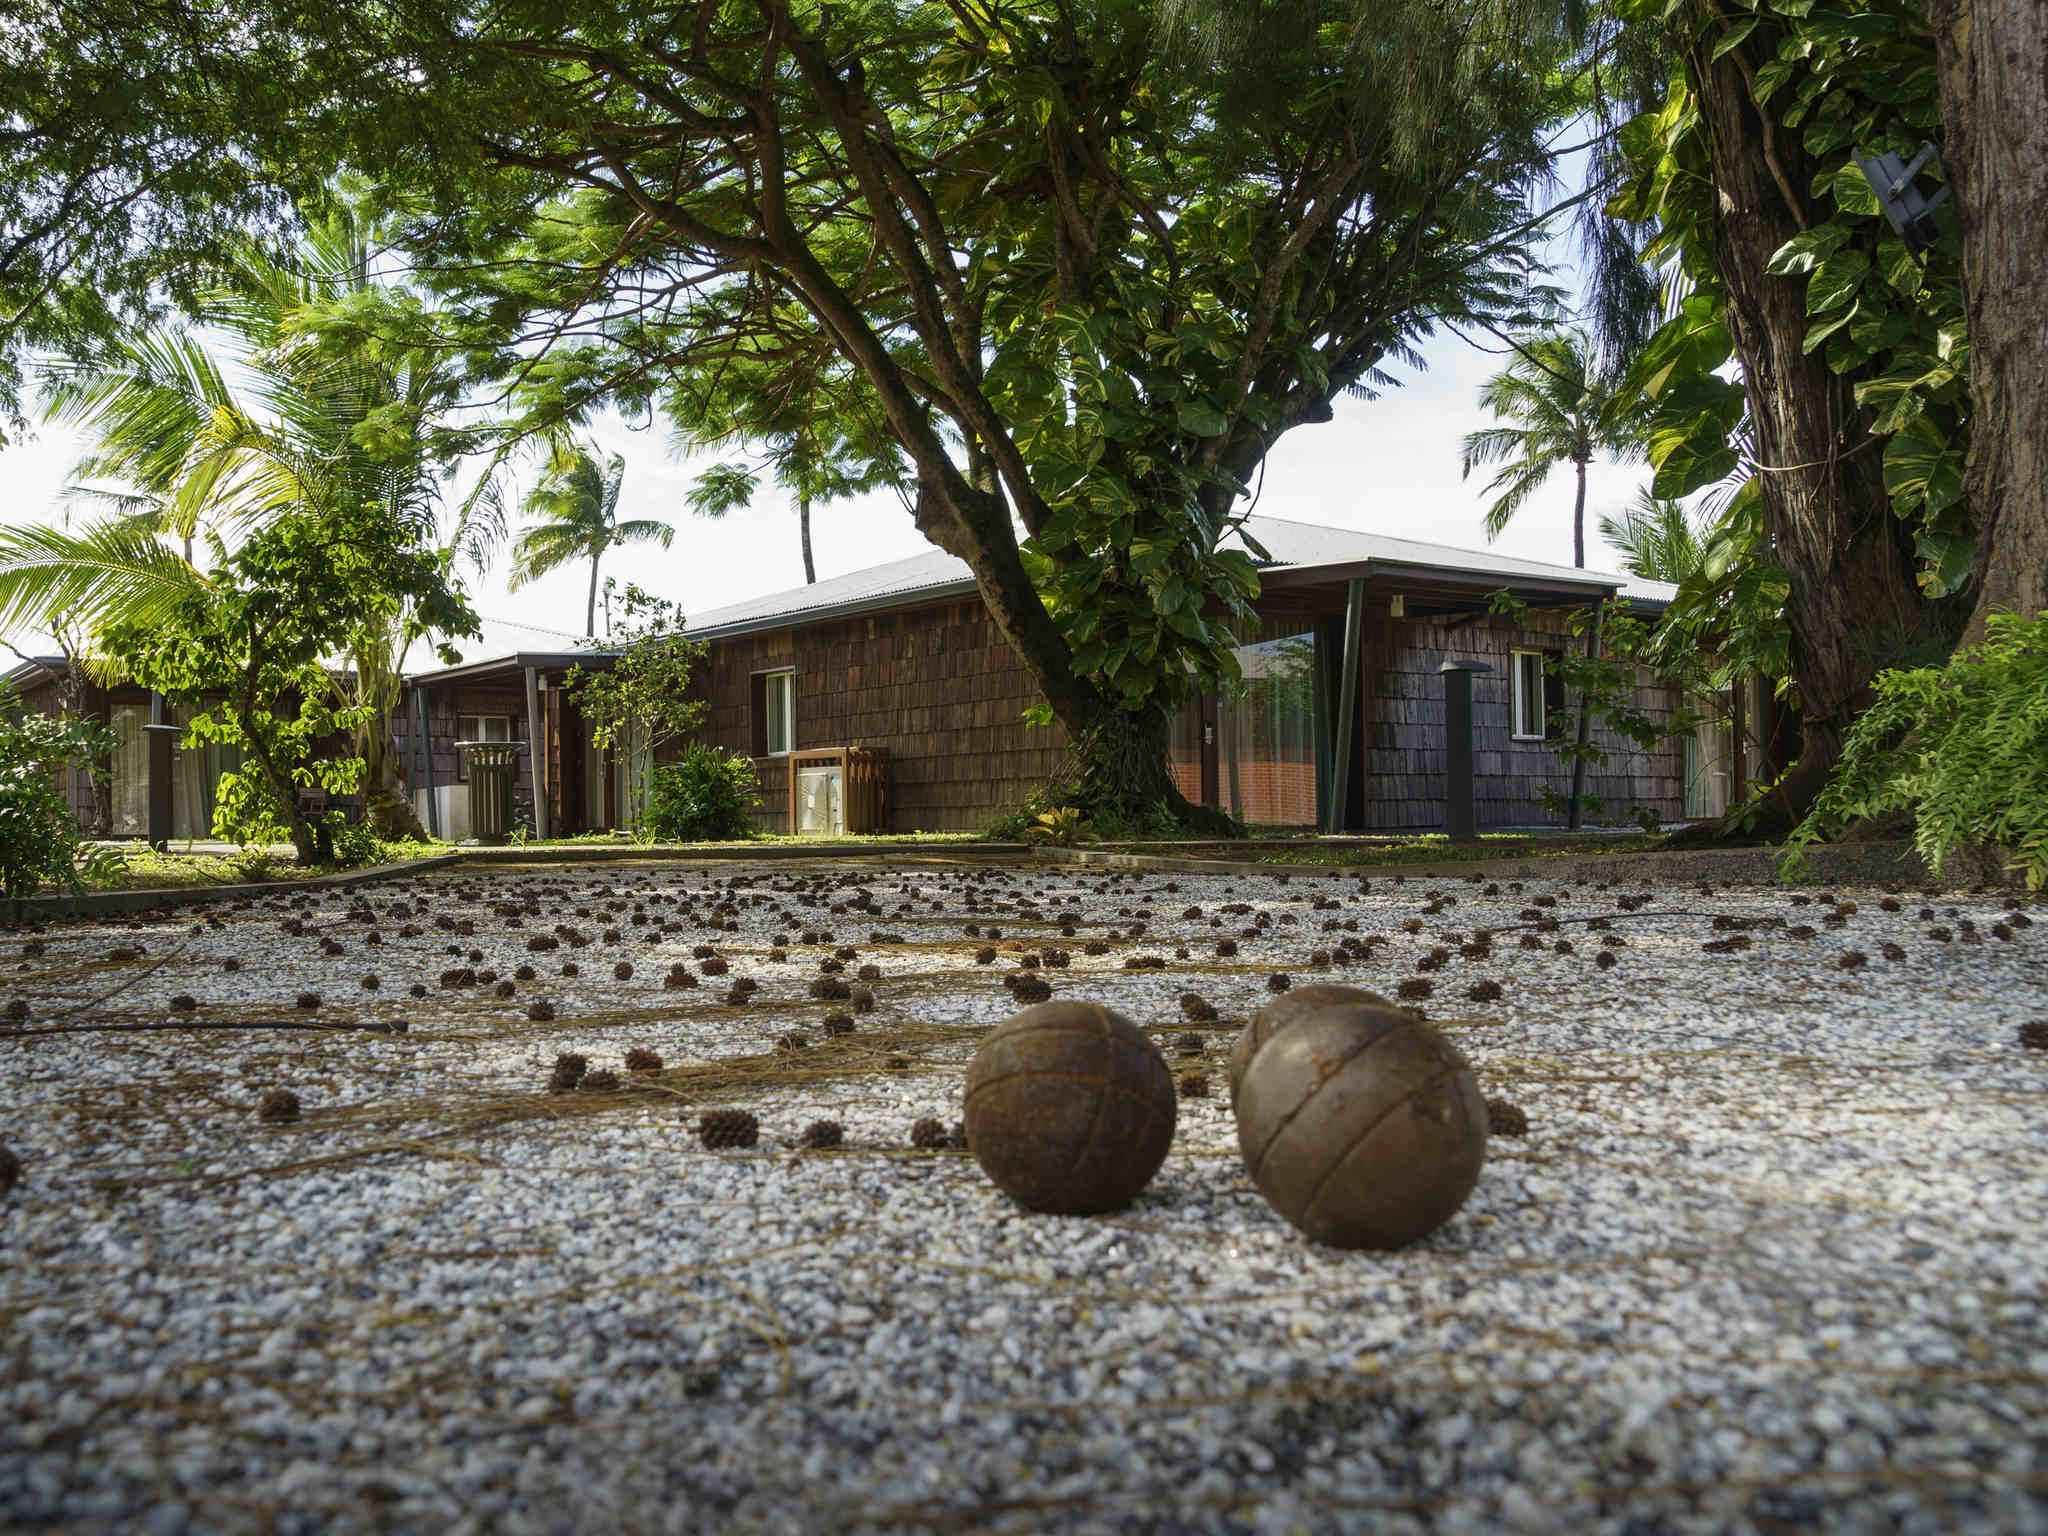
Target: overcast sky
(1386, 466)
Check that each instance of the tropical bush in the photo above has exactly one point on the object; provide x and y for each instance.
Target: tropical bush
(39, 835)
(704, 796)
(1962, 748)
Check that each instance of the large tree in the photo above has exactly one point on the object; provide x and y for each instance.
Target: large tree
(1089, 279)
(1848, 414)
(199, 438)
(1994, 100)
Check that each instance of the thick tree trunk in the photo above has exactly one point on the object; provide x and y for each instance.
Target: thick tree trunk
(803, 518)
(1854, 606)
(386, 809)
(1994, 106)
(1118, 757)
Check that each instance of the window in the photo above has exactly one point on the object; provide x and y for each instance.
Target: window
(483, 727)
(774, 713)
(479, 728)
(1531, 695)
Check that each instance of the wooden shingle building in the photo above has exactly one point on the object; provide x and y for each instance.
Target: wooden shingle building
(886, 700)
(903, 662)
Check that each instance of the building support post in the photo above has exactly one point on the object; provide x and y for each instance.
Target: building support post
(1347, 706)
(426, 779)
(534, 756)
(1461, 819)
(1575, 814)
(162, 737)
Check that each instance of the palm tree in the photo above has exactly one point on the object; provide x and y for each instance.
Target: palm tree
(1559, 410)
(1658, 539)
(183, 463)
(815, 431)
(575, 513)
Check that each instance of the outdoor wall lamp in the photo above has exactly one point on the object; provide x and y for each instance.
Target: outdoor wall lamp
(1910, 210)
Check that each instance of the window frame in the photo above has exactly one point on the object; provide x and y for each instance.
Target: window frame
(763, 692)
(1518, 690)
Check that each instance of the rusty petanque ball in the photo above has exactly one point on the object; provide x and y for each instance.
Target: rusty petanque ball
(1361, 1125)
(1070, 1108)
(1282, 1011)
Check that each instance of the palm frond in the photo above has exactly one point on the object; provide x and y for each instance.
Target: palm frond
(1658, 539)
(112, 573)
(1515, 485)
(643, 530)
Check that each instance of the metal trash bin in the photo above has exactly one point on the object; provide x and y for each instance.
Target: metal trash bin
(493, 768)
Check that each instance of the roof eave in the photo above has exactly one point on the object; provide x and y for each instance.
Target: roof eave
(939, 592)
(1434, 575)
(516, 661)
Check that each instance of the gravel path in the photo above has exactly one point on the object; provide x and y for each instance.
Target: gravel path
(1771, 1255)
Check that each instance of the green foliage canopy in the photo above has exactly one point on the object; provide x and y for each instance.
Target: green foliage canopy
(1088, 279)
(247, 651)
(1850, 79)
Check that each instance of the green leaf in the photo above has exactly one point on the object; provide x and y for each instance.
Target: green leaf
(1732, 38)
(1822, 330)
(1899, 267)
(1946, 560)
(1853, 192)
(1922, 469)
(1200, 419)
(1688, 440)
(1836, 281)
(1807, 250)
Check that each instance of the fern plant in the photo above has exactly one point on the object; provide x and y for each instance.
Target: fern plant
(1963, 747)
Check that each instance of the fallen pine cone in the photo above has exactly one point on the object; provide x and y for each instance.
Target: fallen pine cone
(821, 1134)
(569, 1069)
(280, 1106)
(929, 1135)
(640, 1059)
(719, 1128)
(1504, 1118)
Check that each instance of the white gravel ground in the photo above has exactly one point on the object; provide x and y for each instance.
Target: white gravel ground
(1771, 1256)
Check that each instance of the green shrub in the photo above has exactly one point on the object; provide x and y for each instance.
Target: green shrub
(355, 845)
(39, 835)
(1963, 747)
(705, 795)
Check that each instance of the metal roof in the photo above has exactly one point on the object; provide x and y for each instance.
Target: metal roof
(1298, 549)
(1294, 547)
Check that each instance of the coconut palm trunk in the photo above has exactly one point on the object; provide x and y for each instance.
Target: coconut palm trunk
(803, 518)
(1579, 521)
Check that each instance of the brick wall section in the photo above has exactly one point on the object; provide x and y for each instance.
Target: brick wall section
(1404, 692)
(937, 688)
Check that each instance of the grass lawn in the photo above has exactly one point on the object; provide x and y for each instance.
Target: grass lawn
(141, 868)
(762, 839)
